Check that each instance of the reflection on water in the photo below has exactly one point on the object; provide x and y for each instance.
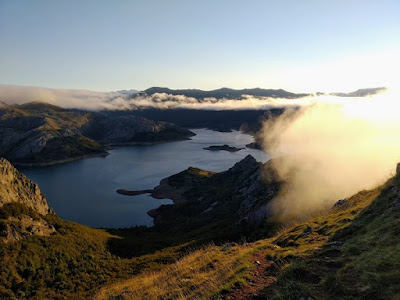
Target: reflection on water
(84, 191)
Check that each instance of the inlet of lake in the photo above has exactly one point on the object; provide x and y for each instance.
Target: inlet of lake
(84, 191)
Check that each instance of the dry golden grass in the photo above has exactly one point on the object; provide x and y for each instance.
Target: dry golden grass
(204, 273)
(199, 275)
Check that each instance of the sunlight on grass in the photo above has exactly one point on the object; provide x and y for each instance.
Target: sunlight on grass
(199, 275)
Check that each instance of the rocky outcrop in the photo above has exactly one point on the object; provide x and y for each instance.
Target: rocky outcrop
(22, 206)
(255, 188)
(15, 187)
(241, 194)
(24, 226)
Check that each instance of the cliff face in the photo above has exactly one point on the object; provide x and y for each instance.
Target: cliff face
(15, 187)
(256, 186)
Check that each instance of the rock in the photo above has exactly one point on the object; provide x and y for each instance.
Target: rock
(228, 246)
(306, 231)
(18, 188)
(208, 210)
(257, 262)
(23, 227)
(396, 206)
(255, 188)
(340, 204)
(334, 244)
(124, 295)
(245, 164)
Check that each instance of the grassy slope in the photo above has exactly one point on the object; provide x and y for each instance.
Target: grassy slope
(70, 264)
(366, 266)
(78, 260)
(351, 252)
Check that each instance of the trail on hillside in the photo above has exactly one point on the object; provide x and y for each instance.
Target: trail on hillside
(261, 277)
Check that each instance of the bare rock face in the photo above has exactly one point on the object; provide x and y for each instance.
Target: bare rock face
(255, 188)
(16, 187)
(23, 227)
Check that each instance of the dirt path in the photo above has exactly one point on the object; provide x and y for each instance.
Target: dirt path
(260, 279)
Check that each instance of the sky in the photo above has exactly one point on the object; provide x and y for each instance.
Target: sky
(300, 46)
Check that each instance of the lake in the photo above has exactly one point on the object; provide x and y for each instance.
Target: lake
(84, 190)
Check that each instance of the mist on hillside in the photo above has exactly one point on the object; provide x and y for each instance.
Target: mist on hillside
(332, 149)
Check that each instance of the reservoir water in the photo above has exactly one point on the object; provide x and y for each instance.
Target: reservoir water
(84, 190)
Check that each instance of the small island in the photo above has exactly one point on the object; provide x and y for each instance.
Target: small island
(223, 147)
(133, 193)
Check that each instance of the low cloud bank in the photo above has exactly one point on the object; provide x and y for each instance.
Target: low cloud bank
(122, 101)
(332, 149)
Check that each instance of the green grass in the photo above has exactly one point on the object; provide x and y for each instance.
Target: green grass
(362, 263)
(72, 264)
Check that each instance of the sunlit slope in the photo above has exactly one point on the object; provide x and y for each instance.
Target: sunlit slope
(351, 252)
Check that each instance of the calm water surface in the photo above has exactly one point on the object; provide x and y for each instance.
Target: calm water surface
(84, 191)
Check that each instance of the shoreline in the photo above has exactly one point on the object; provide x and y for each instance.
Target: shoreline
(59, 161)
(110, 145)
(103, 154)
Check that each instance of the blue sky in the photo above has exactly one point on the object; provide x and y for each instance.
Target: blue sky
(109, 45)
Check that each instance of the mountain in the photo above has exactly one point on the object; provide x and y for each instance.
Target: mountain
(362, 92)
(239, 196)
(226, 93)
(128, 92)
(223, 120)
(41, 133)
(348, 251)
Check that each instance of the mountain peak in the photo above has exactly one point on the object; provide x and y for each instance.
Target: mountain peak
(246, 163)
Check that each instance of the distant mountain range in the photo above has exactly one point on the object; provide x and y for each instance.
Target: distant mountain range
(362, 92)
(128, 92)
(226, 93)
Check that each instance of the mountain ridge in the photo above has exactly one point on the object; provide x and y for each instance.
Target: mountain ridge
(227, 93)
(42, 133)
